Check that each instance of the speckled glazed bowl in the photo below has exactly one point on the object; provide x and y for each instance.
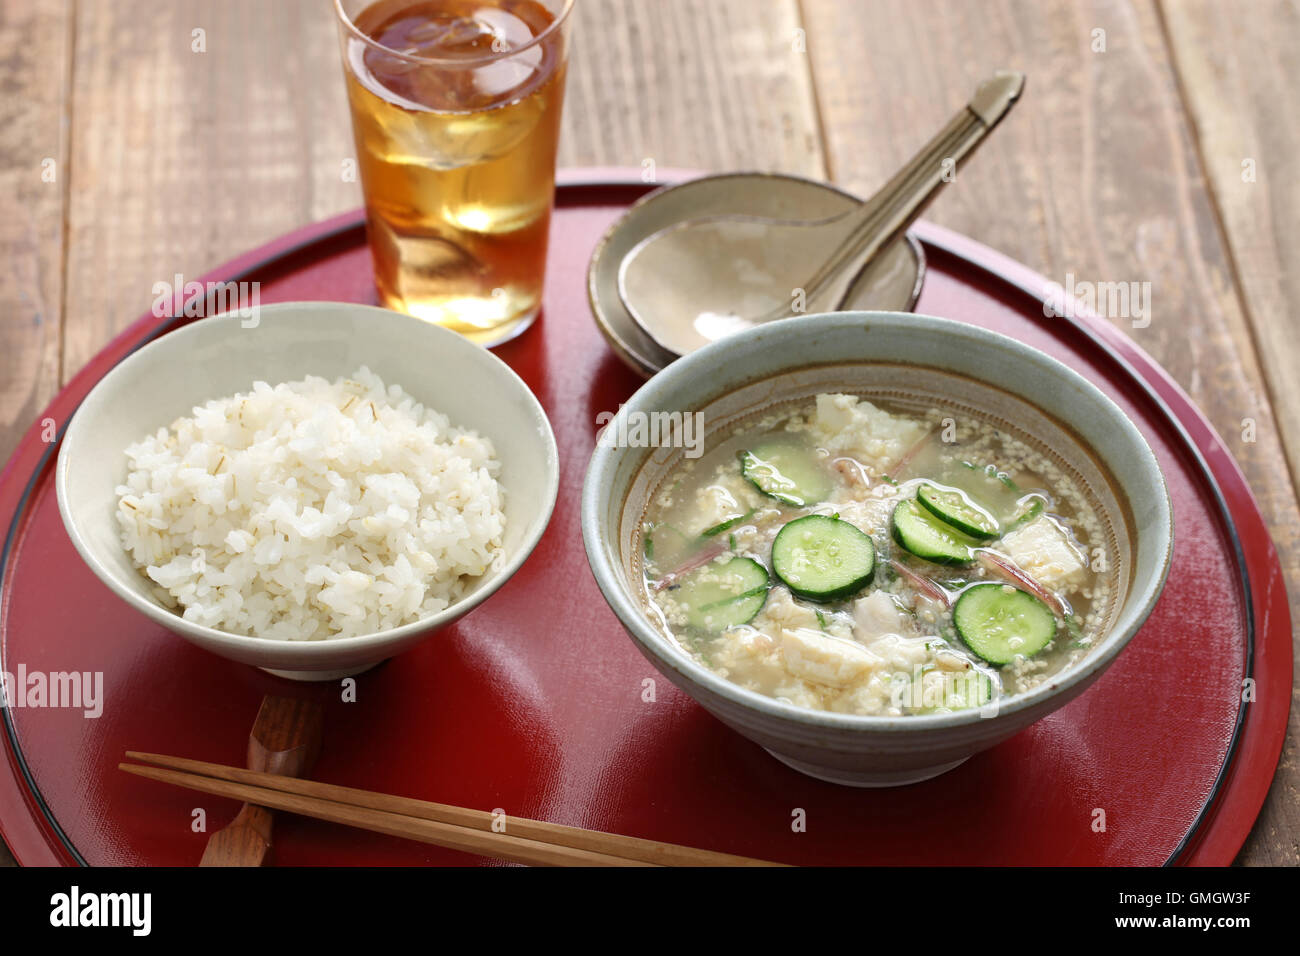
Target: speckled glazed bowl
(892, 280)
(906, 357)
(219, 356)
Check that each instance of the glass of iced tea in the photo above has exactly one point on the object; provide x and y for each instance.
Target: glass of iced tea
(456, 114)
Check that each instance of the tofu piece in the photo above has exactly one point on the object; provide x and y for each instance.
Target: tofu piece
(786, 614)
(876, 615)
(782, 613)
(867, 512)
(853, 426)
(716, 504)
(821, 659)
(721, 500)
(1045, 551)
(902, 653)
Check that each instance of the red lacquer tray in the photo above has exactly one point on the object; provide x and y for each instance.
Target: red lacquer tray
(533, 703)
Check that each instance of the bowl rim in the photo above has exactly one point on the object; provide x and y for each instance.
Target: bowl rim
(302, 652)
(666, 654)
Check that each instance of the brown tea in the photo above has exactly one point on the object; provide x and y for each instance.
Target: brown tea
(456, 113)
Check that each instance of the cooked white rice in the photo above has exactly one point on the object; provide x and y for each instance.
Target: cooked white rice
(312, 510)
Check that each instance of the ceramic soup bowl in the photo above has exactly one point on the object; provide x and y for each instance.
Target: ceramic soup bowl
(907, 358)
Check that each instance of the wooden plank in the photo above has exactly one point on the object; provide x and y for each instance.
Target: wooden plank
(193, 157)
(35, 54)
(719, 85)
(1236, 69)
(189, 148)
(1095, 175)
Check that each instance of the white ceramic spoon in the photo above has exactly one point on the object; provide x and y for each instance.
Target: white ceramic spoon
(702, 279)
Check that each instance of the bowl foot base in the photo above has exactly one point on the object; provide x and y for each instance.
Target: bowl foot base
(321, 675)
(867, 778)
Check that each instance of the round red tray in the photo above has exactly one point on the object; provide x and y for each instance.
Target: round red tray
(532, 703)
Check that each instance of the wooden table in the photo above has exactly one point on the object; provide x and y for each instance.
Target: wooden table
(1156, 143)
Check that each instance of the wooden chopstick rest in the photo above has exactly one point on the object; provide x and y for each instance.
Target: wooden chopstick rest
(286, 740)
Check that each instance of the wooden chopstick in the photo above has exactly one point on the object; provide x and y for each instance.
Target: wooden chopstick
(524, 841)
(500, 845)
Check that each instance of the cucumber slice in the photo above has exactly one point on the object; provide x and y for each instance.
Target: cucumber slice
(957, 509)
(1000, 623)
(929, 537)
(823, 558)
(786, 471)
(720, 595)
(722, 526)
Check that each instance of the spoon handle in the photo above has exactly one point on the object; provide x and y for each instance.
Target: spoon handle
(886, 215)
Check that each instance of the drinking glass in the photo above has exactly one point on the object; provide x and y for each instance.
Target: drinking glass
(456, 114)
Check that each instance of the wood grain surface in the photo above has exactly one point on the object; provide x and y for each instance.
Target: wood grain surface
(1238, 82)
(35, 64)
(1104, 172)
(1123, 163)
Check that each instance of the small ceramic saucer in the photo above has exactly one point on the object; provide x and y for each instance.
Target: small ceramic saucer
(891, 283)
